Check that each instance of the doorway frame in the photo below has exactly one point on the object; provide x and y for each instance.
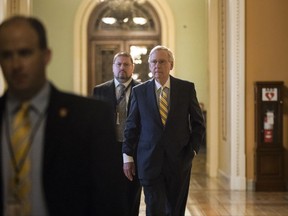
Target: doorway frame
(80, 37)
(233, 144)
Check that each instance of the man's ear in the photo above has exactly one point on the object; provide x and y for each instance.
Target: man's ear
(171, 65)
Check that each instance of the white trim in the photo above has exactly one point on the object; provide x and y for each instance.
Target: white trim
(167, 22)
(80, 45)
(213, 105)
(250, 185)
(2, 9)
(236, 76)
(80, 38)
(224, 177)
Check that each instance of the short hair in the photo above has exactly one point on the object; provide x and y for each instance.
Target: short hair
(160, 47)
(36, 24)
(125, 54)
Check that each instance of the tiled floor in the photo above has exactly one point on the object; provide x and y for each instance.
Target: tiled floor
(211, 197)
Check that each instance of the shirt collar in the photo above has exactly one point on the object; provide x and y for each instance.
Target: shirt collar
(158, 85)
(116, 82)
(38, 102)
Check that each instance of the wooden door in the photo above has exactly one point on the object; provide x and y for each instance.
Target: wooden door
(101, 59)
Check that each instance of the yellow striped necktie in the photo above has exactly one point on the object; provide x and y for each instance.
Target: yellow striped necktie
(163, 105)
(20, 142)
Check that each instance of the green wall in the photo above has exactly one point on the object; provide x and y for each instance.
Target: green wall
(190, 40)
(191, 45)
(59, 16)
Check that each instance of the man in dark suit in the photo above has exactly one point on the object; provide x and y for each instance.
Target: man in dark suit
(71, 165)
(167, 139)
(123, 68)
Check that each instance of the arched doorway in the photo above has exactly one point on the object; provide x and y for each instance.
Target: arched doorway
(80, 52)
(113, 27)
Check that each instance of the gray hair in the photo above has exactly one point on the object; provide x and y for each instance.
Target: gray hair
(160, 47)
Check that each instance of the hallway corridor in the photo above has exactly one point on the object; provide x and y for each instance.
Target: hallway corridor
(211, 197)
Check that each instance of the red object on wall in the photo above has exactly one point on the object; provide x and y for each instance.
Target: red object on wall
(268, 136)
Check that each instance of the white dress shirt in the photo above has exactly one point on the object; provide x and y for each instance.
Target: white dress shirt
(37, 115)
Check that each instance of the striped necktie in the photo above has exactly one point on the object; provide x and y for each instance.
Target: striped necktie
(163, 105)
(121, 112)
(20, 143)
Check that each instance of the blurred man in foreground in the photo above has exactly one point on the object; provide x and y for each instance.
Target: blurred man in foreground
(54, 147)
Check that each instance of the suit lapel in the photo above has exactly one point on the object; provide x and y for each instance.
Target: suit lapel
(133, 83)
(152, 101)
(173, 96)
(111, 93)
(56, 124)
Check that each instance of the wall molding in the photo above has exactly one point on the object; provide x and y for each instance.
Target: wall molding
(236, 93)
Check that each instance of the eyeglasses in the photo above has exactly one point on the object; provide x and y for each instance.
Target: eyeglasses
(125, 65)
(160, 62)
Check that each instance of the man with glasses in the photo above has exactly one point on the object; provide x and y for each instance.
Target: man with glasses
(166, 125)
(117, 93)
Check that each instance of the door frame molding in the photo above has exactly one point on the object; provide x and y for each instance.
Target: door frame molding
(80, 38)
(232, 146)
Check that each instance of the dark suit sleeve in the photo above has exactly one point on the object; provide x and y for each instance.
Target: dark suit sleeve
(79, 175)
(132, 129)
(105, 185)
(97, 93)
(94, 92)
(196, 120)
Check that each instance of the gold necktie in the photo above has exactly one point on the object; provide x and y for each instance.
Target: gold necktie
(20, 143)
(163, 105)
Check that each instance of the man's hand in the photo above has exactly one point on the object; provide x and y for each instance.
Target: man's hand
(129, 170)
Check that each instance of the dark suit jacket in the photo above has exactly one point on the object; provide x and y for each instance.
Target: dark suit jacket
(158, 145)
(77, 170)
(132, 190)
(106, 92)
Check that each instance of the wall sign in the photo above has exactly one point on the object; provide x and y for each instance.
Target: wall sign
(269, 94)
